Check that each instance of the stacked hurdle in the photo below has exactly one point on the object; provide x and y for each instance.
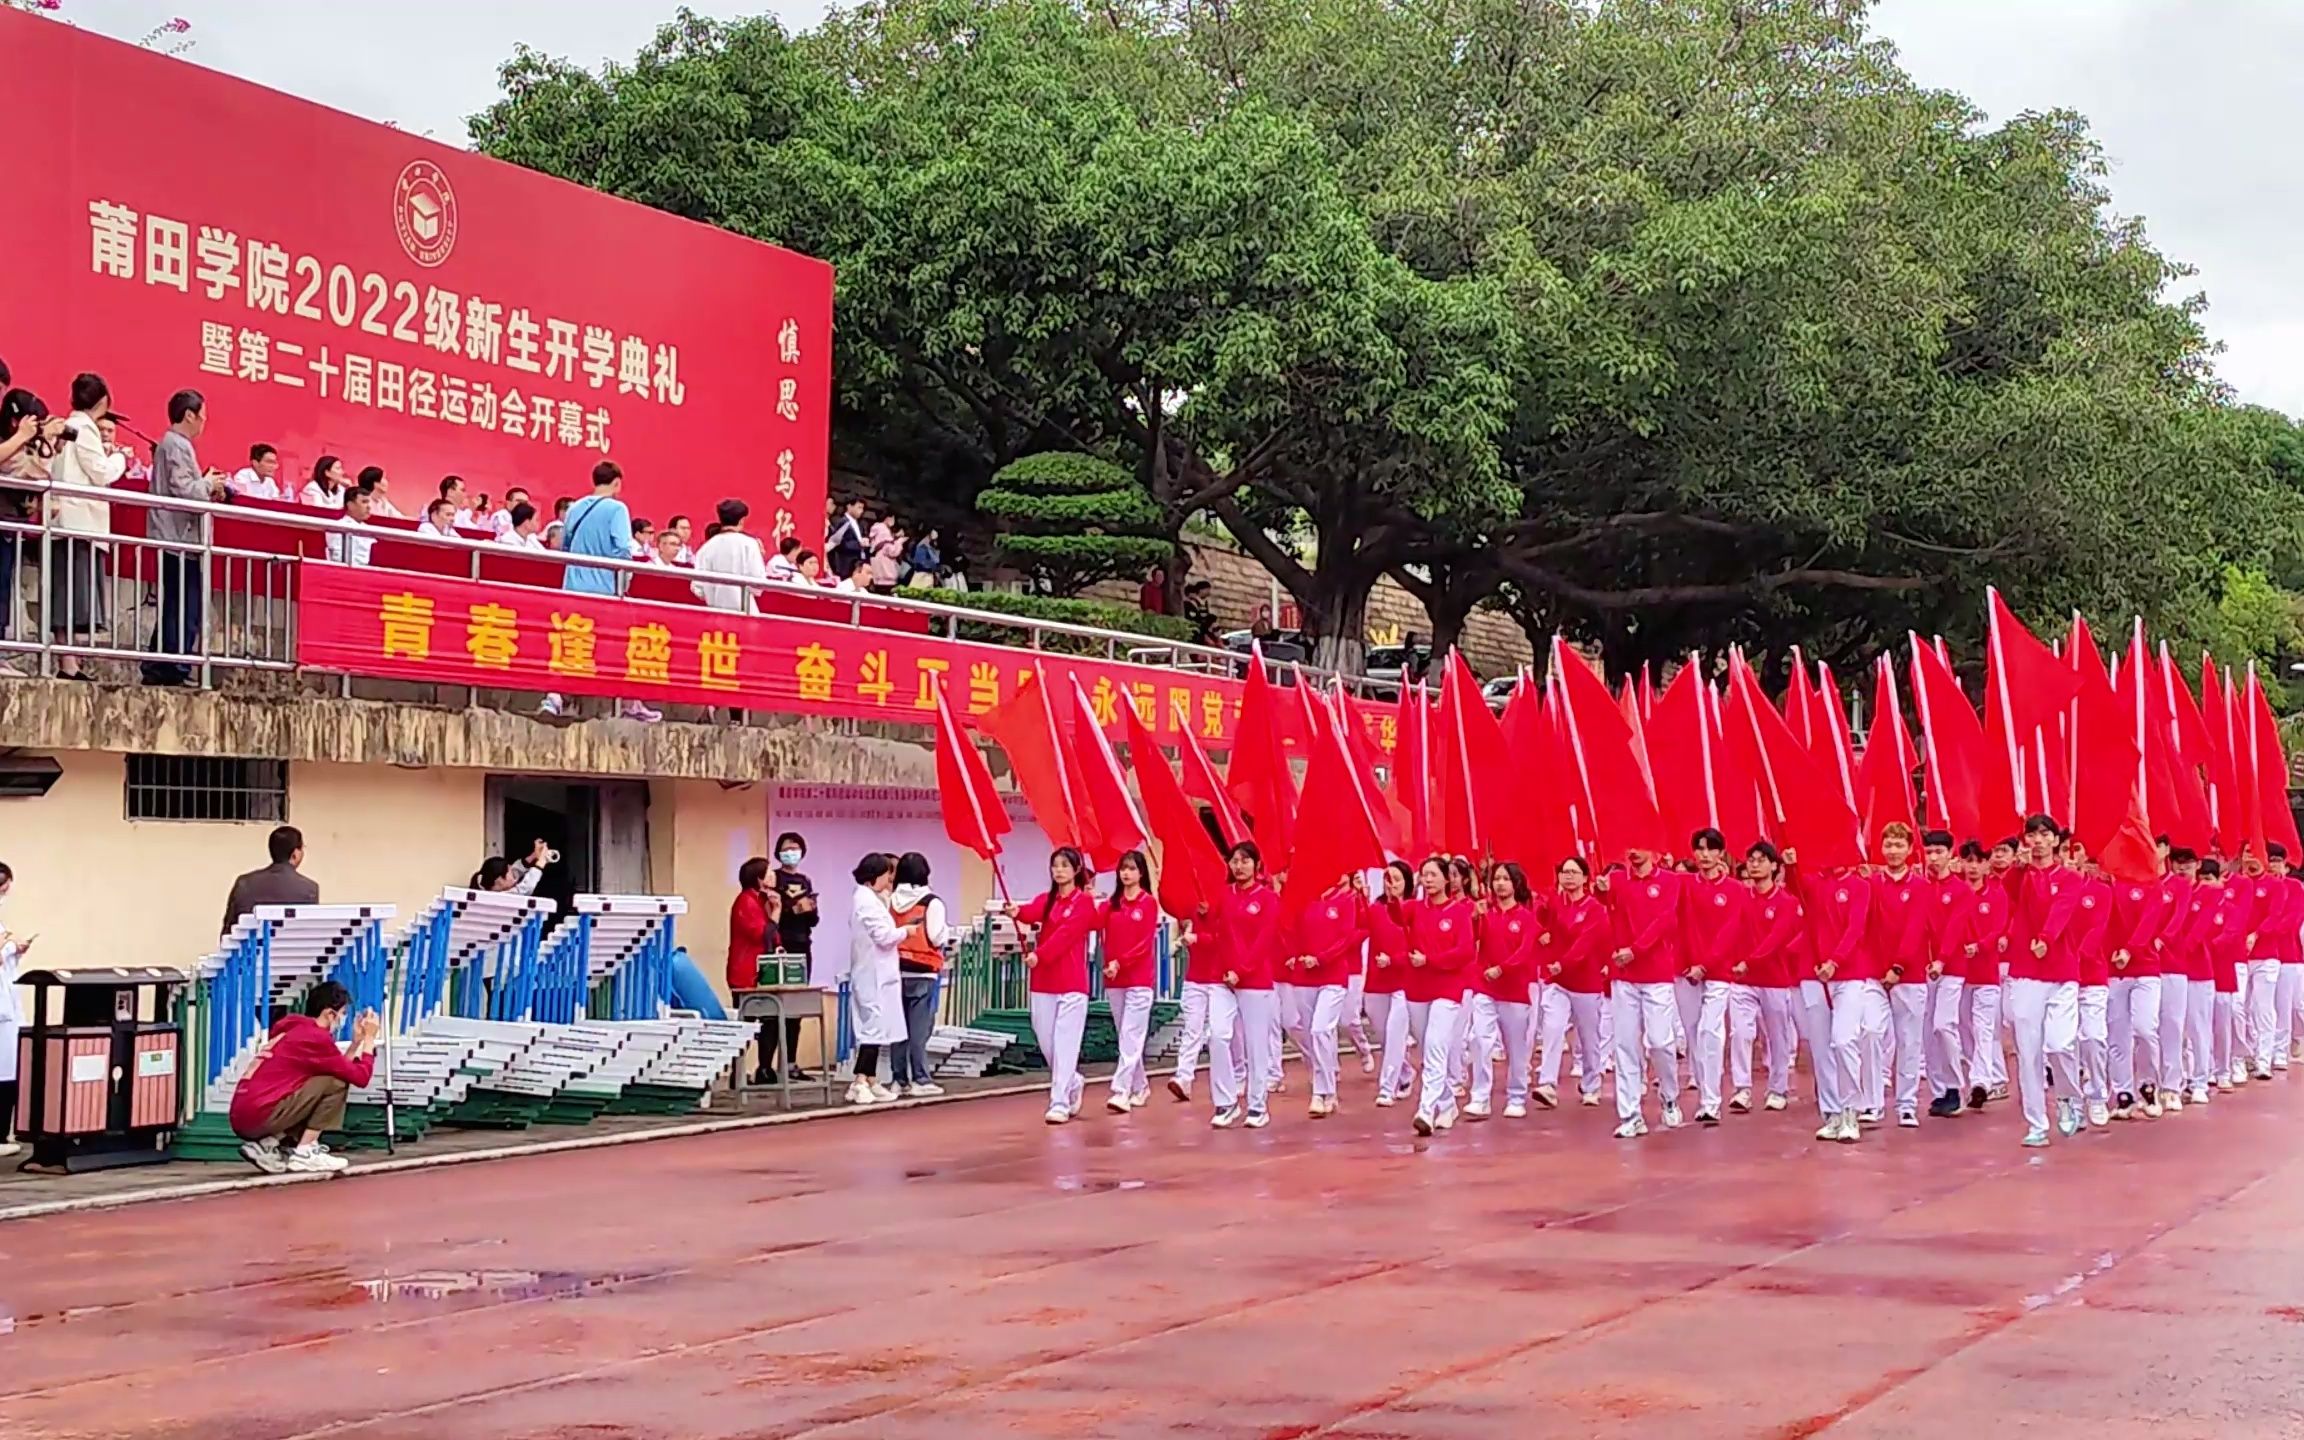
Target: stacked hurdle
(271, 958)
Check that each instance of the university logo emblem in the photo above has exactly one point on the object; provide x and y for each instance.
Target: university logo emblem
(424, 213)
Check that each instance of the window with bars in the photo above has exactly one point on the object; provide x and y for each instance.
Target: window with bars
(203, 788)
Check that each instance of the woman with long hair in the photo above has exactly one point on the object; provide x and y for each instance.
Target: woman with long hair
(875, 978)
(1439, 949)
(1464, 884)
(1503, 972)
(1573, 962)
(1762, 998)
(927, 927)
(1064, 917)
(1329, 937)
(1388, 975)
(1131, 975)
(1243, 1004)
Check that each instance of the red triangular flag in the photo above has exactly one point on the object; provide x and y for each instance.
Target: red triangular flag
(1835, 744)
(1800, 702)
(1117, 828)
(1612, 782)
(1682, 759)
(1337, 834)
(1965, 795)
(1412, 768)
(1191, 868)
(1024, 726)
(2026, 691)
(1739, 790)
(1470, 761)
(1799, 803)
(1259, 777)
(1204, 784)
(2107, 801)
(1536, 831)
(2227, 806)
(2276, 819)
(974, 817)
(1884, 777)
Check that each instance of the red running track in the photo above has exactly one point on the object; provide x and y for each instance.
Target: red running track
(964, 1271)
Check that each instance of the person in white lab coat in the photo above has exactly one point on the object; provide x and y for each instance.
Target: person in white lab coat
(13, 949)
(875, 976)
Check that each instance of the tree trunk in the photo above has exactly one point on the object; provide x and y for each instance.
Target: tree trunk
(1449, 608)
(1337, 614)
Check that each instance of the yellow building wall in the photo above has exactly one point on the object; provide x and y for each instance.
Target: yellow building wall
(699, 834)
(100, 889)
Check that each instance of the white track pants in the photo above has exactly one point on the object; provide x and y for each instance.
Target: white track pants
(1058, 1021)
(2045, 1015)
(1252, 1017)
(1132, 1017)
(1505, 1023)
(2134, 1026)
(1645, 1021)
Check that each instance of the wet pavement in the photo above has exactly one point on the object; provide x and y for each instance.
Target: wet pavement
(965, 1271)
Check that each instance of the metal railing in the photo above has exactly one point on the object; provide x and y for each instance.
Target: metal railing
(190, 609)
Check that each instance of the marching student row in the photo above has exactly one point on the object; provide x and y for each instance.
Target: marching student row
(2124, 999)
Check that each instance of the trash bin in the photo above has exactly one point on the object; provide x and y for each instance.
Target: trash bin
(99, 1067)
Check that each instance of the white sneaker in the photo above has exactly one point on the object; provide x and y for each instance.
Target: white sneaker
(1869, 1117)
(2239, 1072)
(2098, 1114)
(2280, 1062)
(2262, 1071)
(2171, 1103)
(1384, 1099)
(1773, 1102)
(1446, 1119)
(883, 1092)
(1258, 1119)
(1907, 1117)
(2152, 1108)
(1546, 1096)
(1367, 1064)
(1830, 1129)
(2068, 1116)
(1515, 1110)
(1851, 1133)
(1591, 1099)
(635, 711)
(1119, 1104)
(2199, 1095)
(263, 1154)
(1632, 1129)
(1057, 1115)
(314, 1160)
(860, 1093)
(922, 1090)
(1476, 1110)
(2036, 1139)
(1225, 1119)
(1671, 1114)
(1741, 1102)
(1423, 1123)
(549, 708)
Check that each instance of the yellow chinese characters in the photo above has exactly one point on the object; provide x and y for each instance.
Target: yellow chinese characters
(492, 636)
(873, 681)
(983, 686)
(1211, 715)
(648, 654)
(407, 626)
(931, 672)
(573, 645)
(1104, 700)
(716, 656)
(812, 666)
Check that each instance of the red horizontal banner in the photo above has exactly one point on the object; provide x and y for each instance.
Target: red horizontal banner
(454, 632)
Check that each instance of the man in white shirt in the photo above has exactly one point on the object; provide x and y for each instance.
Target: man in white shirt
(440, 520)
(730, 552)
(783, 565)
(459, 503)
(522, 532)
(502, 522)
(259, 479)
(353, 549)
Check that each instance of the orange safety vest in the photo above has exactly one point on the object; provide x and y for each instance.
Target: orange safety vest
(913, 952)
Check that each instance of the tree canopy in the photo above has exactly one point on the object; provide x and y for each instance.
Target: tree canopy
(1665, 323)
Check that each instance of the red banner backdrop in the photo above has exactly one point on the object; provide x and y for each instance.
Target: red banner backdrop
(339, 287)
(455, 632)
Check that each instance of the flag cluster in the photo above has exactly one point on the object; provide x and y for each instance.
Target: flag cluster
(2118, 753)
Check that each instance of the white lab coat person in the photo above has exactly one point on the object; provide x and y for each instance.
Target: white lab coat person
(875, 981)
(12, 948)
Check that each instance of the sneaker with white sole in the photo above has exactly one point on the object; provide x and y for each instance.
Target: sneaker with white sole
(2098, 1115)
(1367, 1064)
(1593, 1100)
(922, 1090)
(1422, 1123)
(1851, 1132)
(2262, 1071)
(1773, 1102)
(1119, 1104)
(1140, 1099)
(1180, 1090)
(860, 1093)
(1515, 1110)
(2199, 1095)
(1707, 1116)
(1870, 1117)
(265, 1155)
(1258, 1119)
(2035, 1140)
(641, 714)
(1741, 1102)
(2152, 1108)
(550, 708)
(1546, 1096)
(1476, 1110)
(1632, 1129)
(314, 1159)
(1907, 1117)
(884, 1092)
(2068, 1116)
(1057, 1115)
(1225, 1119)
(2239, 1072)
(1384, 1100)
(1672, 1114)
(1830, 1129)
(2172, 1103)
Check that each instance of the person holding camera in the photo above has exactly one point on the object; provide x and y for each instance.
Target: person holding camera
(503, 875)
(76, 609)
(297, 1092)
(28, 438)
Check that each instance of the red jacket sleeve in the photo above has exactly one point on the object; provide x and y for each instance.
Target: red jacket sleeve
(309, 1051)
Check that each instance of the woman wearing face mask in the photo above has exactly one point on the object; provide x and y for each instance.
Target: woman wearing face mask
(1387, 975)
(13, 949)
(1131, 975)
(1572, 955)
(795, 931)
(1057, 956)
(1439, 949)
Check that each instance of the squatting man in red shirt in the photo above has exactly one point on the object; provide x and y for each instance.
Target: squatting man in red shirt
(301, 1080)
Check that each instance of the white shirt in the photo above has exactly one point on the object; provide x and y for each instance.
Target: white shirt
(321, 499)
(780, 568)
(350, 549)
(249, 485)
(83, 461)
(731, 552)
(518, 541)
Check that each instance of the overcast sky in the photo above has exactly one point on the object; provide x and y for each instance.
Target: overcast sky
(2196, 101)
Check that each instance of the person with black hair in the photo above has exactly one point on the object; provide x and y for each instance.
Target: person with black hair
(325, 490)
(752, 934)
(795, 919)
(921, 914)
(1131, 975)
(1572, 961)
(300, 1083)
(2140, 915)
(2044, 984)
(13, 949)
(1387, 976)
(500, 874)
(1716, 936)
(2287, 1043)
(875, 975)
(732, 553)
(1062, 919)
(1761, 999)
(279, 883)
(82, 523)
(183, 589)
(379, 488)
(2177, 943)
(259, 478)
(1244, 1004)
(1503, 991)
(27, 440)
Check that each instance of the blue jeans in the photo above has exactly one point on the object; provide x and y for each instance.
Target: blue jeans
(919, 1023)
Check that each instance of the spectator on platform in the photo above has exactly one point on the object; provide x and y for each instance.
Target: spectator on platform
(325, 490)
(523, 532)
(669, 551)
(920, 913)
(379, 488)
(560, 509)
(440, 519)
(885, 565)
(501, 874)
(1152, 595)
(732, 553)
(927, 561)
(77, 551)
(13, 949)
(555, 535)
(259, 479)
(781, 565)
(875, 983)
(183, 590)
(599, 526)
(501, 521)
(643, 539)
(109, 428)
(796, 919)
(685, 528)
(1199, 611)
(752, 919)
(280, 883)
(459, 499)
(302, 1079)
(353, 549)
(28, 436)
(845, 545)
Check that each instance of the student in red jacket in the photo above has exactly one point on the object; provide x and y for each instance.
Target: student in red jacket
(1645, 901)
(1329, 937)
(2227, 952)
(1131, 975)
(2044, 983)
(2187, 899)
(298, 1088)
(1839, 910)
(1207, 958)
(751, 934)
(1716, 936)
(1387, 975)
(1572, 962)
(1761, 993)
(2094, 946)
(1903, 907)
(1967, 943)
(1065, 918)
(2140, 915)
(1439, 952)
(1949, 901)
(2287, 940)
(2278, 914)
(1242, 1007)
(1503, 975)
